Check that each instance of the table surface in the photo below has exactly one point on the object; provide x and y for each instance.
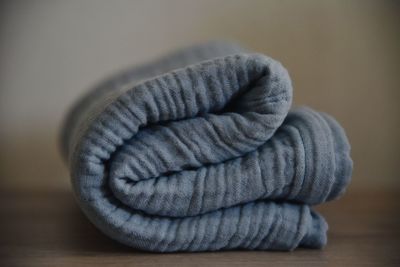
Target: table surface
(48, 229)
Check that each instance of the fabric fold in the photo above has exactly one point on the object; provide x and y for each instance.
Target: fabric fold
(200, 151)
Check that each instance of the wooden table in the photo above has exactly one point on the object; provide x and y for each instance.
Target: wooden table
(48, 229)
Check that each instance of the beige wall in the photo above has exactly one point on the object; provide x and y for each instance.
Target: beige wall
(343, 56)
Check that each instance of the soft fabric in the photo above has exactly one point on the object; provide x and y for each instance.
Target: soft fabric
(200, 151)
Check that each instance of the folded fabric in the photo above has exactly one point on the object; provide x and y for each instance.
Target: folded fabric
(200, 151)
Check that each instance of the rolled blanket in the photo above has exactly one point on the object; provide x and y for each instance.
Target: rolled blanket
(200, 151)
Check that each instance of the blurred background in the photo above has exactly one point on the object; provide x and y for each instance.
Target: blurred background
(343, 57)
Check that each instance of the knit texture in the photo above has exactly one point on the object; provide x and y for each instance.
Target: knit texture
(200, 151)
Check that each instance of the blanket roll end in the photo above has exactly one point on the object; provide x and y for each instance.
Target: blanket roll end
(323, 164)
(316, 235)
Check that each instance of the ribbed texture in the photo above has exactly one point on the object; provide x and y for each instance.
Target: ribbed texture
(189, 156)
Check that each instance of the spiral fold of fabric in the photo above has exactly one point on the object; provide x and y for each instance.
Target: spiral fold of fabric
(201, 151)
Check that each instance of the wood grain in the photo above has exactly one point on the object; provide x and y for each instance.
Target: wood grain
(48, 229)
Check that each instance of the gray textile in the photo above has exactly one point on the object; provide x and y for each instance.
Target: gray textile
(199, 151)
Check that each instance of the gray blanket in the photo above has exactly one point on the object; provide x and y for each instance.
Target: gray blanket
(200, 151)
